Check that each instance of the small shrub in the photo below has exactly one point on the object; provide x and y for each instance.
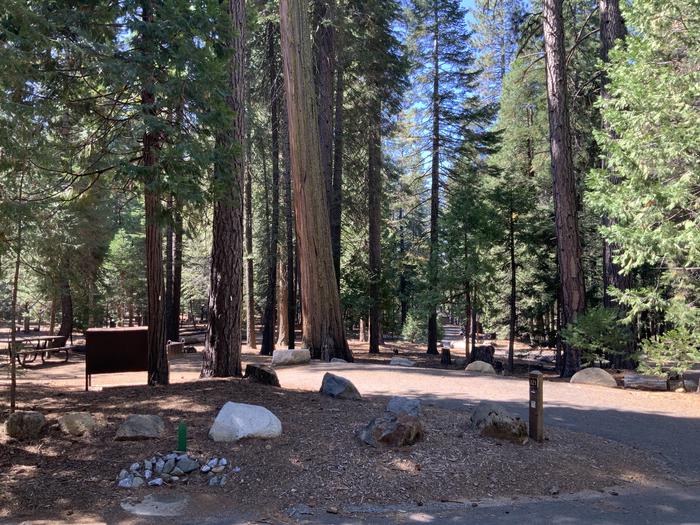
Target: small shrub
(677, 350)
(599, 335)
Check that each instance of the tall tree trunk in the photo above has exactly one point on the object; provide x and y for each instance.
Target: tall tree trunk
(324, 17)
(158, 373)
(374, 189)
(13, 306)
(402, 277)
(169, 234)
(573, 292)
(282, 320)
(173, 329)
(468, 317)
(473, 326)
(291, 297)
(66, 327)
(249, 271)
(337, 192)
(434, 186)
(513, 319)
(270, 315)
(323, 324)
(222, 351)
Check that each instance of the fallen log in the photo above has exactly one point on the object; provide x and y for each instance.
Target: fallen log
(651, 383)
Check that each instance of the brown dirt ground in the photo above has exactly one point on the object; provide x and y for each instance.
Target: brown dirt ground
(317, 461)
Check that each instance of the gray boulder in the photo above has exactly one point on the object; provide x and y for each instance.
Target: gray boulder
(140, 426)
(402, 361)
(594, 376)
(77, 423)
(25, 425)
(392, 431)
(187, 465)
(291, 357)
(480, 367)
(404, 405)
(262, 374)
(338, 387)
(492, 420)
(338, 360)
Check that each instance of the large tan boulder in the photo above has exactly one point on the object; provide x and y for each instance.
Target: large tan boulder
(594, 376)
(480, 367)
(77, 423)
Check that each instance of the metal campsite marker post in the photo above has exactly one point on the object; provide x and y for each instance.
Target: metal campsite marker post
(536, 406)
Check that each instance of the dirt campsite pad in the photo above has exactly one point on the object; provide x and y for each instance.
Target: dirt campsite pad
(317, 462)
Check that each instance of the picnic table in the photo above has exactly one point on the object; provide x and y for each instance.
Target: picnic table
(27, 349)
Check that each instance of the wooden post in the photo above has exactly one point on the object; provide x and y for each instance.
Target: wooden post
(536, 406)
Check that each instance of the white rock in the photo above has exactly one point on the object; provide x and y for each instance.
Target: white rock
(594, 376)
(205, 468)
(402, 361)
(147, 474)
(135, 466)
(213, 462)
(123, 474)
(157, 482)
(291, 357)
(239, 420)
(223, 462)
(480, 367)
(338, 360)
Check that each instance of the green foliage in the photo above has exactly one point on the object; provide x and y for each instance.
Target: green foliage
(676, 350)
(415, 329)
(649, 185)
(599, 334)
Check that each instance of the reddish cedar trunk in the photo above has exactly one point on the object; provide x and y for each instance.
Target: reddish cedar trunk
(374, 188)
(337, 192)
(573, 298)
(323, 330)
(434, 188)
(324, 13)
(222, 352)
(169, 239)
(270, 314)
(158, 373)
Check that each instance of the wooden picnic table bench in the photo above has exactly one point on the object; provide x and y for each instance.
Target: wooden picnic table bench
(27, 349)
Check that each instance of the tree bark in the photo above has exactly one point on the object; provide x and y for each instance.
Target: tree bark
(13, 306)
(174, 326)
(158, 372)
(169, 234)
(324, 15)
(513, 282)
(402, 277)
(564, 180)
(434, 186)
(66, 327)
(270, 315)
(323, 325)
(337, 192)
(222, 352)
(249, 271)
(282, 320)
(374, 188)
(291, 297)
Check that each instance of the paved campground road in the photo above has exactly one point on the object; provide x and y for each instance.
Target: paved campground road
(666, 425)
